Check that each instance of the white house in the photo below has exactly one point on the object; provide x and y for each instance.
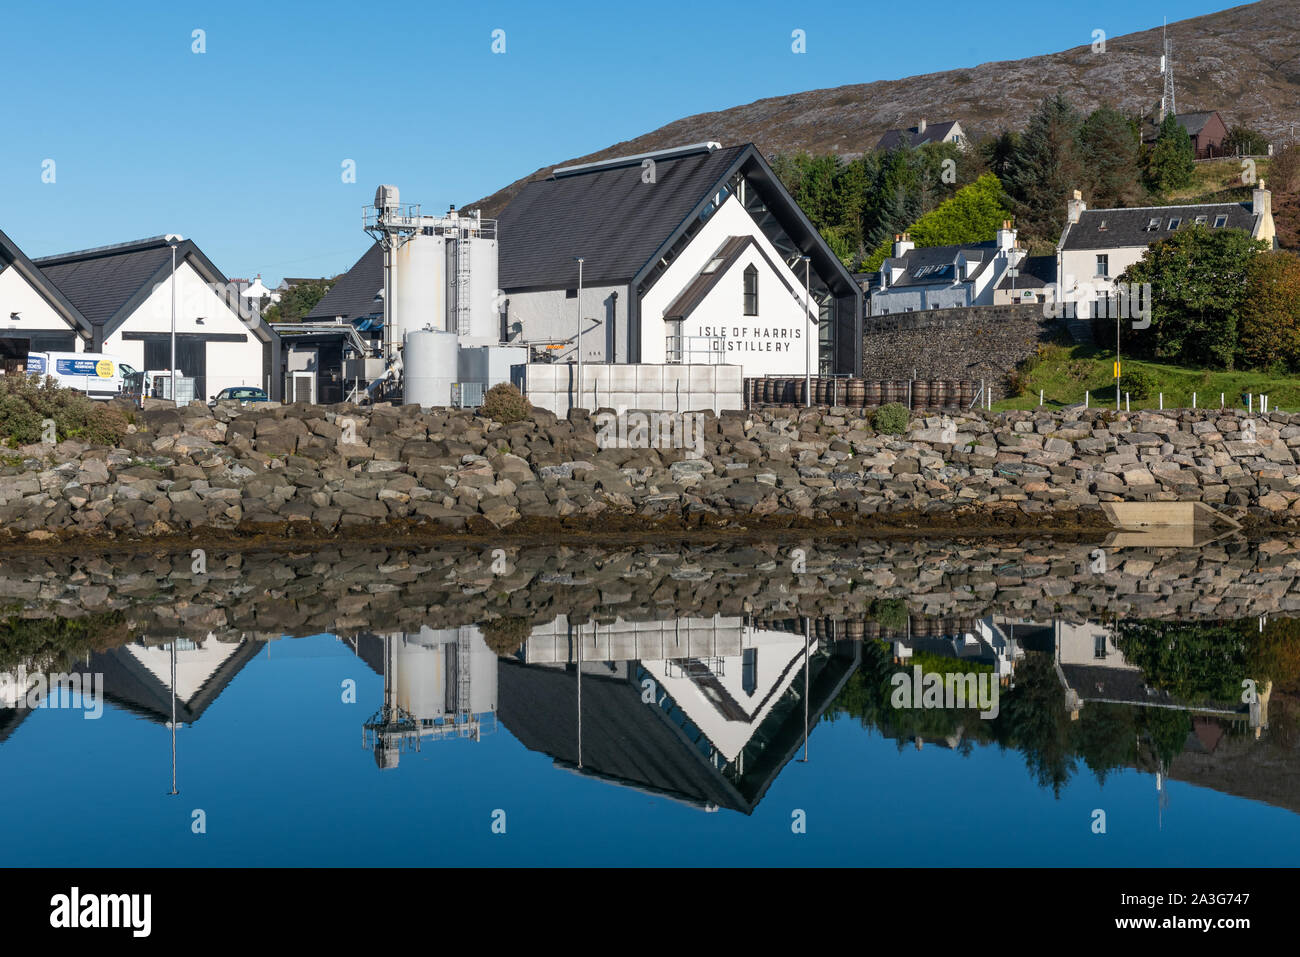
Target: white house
(949, 131)
(124, 295)
(33, 308)
(1097, 245)
(943, 277)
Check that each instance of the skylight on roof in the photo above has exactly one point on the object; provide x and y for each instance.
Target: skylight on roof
(1220, 221)
(1202, 220)
(1175, 222)
(1153, 223)
(711, 266)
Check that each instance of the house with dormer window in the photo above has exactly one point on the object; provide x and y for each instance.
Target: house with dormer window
(943, 277)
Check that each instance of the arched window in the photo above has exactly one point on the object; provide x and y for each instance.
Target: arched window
(751, 291)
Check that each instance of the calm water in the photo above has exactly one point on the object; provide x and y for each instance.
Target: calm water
(661, 707)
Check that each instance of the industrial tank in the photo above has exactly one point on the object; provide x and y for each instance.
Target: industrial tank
(429, 367)
(420, 285)
(485, 311)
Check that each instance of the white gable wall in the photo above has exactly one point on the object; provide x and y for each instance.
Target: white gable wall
(20, 296)
(771, 343)
(228, 363)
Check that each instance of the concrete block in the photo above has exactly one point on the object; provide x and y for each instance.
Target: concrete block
(702, 378)
(649, 378)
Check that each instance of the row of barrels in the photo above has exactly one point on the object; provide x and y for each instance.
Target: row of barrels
(860, 393)
(858, 629)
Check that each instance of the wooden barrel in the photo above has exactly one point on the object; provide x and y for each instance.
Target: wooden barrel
(920, 394)
(966, 393)
(855, 629)
(871, 393)
(902, 390)
(855, 393)
(888, 392)
(939, 390)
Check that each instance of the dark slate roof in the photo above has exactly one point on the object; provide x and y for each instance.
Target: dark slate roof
(1194, 122)
(13, 257)
(1128, 227)
(934, 133)
(130, 685)
(353, 296)
(941, 261)
(101, 281)
(1036, 272)
(607, 215)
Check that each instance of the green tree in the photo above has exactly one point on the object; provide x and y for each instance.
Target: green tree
(1198, 279)
(997, 152)
(299, 300)
(1111, 146)
(972, 215)
(1045, 168)
(1171, 161)
(1270, 311)
(1242, 141)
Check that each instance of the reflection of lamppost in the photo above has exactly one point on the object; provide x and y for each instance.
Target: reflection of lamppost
(172, 241)
(807, 349)
(172, 724)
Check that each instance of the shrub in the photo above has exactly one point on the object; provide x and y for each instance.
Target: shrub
(890, 613)
(505, 636)
(892, 418)
(26, 401)
(505, 404)
(1138, 383)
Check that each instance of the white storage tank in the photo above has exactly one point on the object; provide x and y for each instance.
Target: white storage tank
(429, 366)
(485, 314)
(420, 285)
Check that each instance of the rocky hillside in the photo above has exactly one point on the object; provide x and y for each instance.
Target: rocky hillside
(1244, 62)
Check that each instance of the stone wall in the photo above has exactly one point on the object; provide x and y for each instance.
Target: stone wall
(979, 342)
(341, 470)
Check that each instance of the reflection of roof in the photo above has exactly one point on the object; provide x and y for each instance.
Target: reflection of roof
(1123, 685)
(129, 684)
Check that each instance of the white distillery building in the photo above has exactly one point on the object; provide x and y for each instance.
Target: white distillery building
(124, 294)
(691, 255)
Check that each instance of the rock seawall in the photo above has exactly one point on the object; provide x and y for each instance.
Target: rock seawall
(340, 470)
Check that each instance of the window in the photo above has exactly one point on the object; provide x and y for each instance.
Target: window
(749, 670)
(1202, 220)
(1153, 224)
(751, 291)
(570, 294)
(1103, 266)
(1220, 222)
(1099, 646)
(1175, 223)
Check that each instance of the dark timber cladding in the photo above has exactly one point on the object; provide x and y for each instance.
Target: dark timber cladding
(624, 227)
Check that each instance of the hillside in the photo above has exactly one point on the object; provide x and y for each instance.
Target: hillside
(1244, 62)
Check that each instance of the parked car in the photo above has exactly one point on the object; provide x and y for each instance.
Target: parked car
(240, 393)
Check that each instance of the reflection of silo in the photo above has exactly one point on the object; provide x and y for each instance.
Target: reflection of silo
(429, 360)
(444, 672)
(419, 296)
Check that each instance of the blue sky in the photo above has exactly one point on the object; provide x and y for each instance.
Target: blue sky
(241, 147)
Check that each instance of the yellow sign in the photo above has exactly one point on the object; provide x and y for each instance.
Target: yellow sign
(1117, 369)
(104, 368)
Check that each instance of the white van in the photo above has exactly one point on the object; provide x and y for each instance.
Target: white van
(98, 375)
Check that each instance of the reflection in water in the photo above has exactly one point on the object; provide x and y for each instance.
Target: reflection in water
(699, 682)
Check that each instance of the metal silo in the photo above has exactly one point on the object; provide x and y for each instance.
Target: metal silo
(429, 360)
(420, 283)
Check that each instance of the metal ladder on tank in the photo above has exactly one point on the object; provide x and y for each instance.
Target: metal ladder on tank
(462, 285)
(463, 704)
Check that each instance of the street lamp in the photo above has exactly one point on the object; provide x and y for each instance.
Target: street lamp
(577, 341)
(172, 241)
(807, 346)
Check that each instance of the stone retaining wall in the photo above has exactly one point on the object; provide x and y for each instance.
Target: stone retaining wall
(335, 469)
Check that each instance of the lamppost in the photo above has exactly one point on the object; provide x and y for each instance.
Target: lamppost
(577, 341)
(807, 350)
(172, 241)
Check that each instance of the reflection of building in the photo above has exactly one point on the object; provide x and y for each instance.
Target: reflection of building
(985, 642)
(709, 720)
(138, 676)
(438, 683)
